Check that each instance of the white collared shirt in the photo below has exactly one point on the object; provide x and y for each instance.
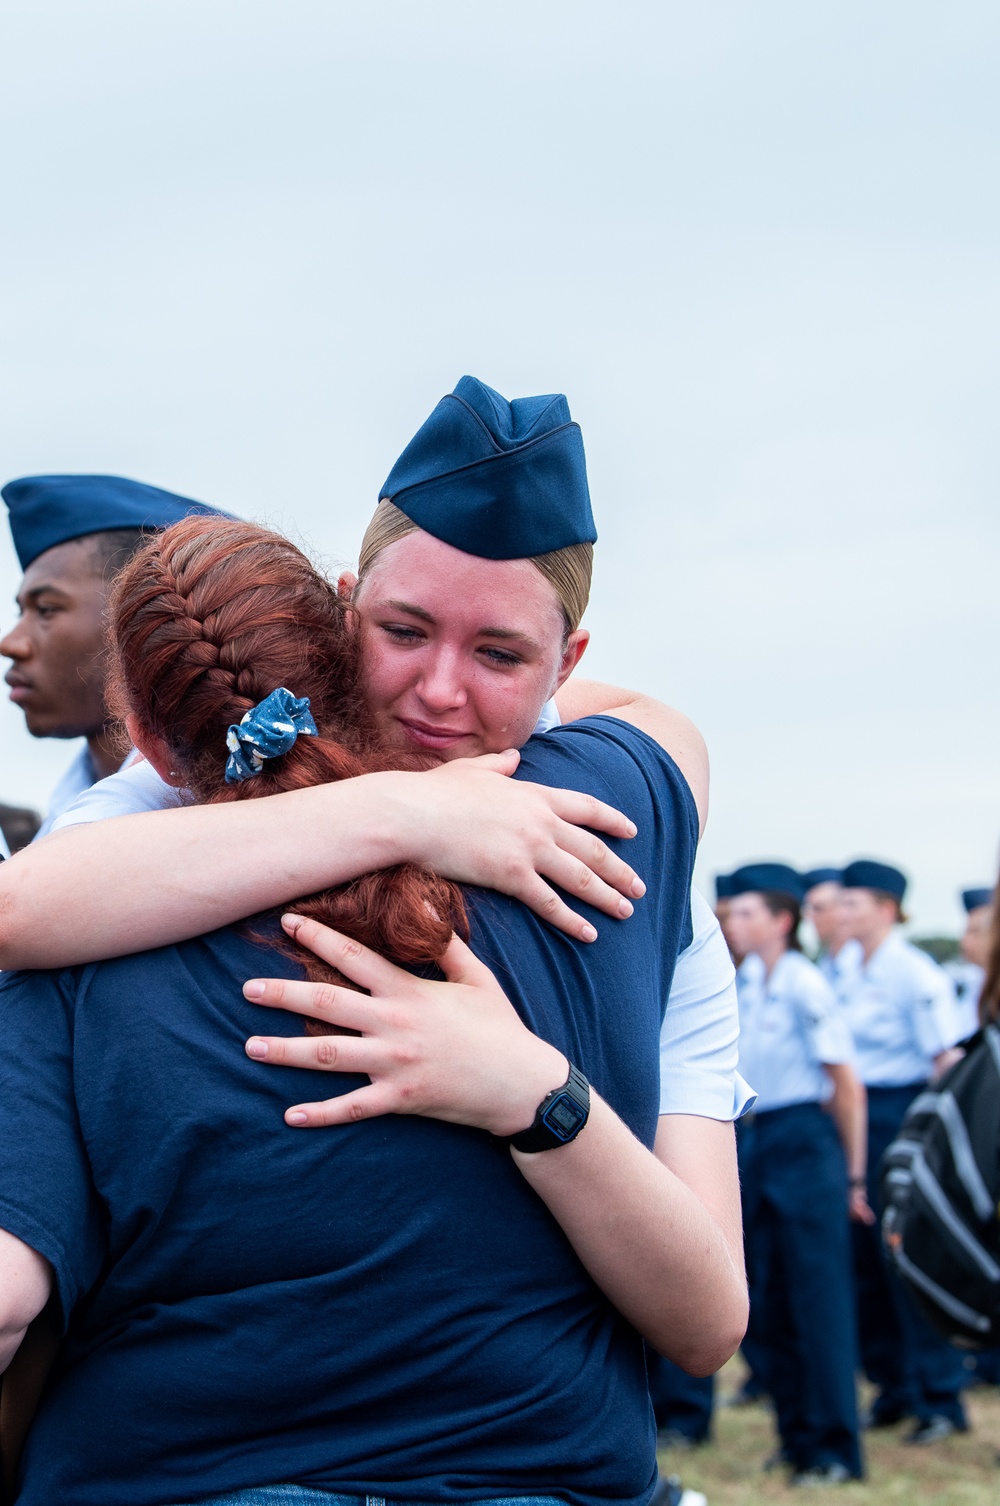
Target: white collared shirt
(790, 1028)
(901, 1010)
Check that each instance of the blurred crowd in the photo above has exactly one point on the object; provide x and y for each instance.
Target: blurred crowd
(838, 1045)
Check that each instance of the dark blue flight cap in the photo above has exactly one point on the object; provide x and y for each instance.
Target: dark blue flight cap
(821, 876)
(975, 899)
(768, 878)
(496, 479)
(50, 510)
(723, 886)
(865, 873)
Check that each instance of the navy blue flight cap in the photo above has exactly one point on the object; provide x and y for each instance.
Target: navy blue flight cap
(975, 899)
(821, 876)
(501, 480)
(723, 886)
(865, 873)
(768, 878)
(50, 510)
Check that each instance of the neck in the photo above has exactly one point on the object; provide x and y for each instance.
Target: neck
(870, 944)
(771, 954)
(105, 752)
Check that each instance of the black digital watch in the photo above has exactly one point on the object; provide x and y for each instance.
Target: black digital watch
(560, 1118)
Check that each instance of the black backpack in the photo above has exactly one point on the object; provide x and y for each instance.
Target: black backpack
(940, 1188)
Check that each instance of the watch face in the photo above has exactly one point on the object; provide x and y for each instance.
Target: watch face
(564, 1115)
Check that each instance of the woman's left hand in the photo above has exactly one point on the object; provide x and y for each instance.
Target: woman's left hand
(454, 1050)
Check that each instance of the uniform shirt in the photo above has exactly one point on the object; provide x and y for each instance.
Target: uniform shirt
(699, 1041)
(901, 1010)
(790, 1025)
(838, 968)
(382, 1309)
(967, 979)
(80, 776)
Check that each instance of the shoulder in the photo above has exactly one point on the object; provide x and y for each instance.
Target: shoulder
(921, 967)
(606, 756)
(806, 981)
(127, 793)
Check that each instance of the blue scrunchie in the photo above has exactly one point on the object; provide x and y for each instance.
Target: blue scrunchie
(268, 729)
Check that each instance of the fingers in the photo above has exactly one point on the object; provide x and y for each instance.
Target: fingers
(348, 957)
(363, 1103)
(534, 892)
(587, 810)
(322, 1001)
(325, 1053)
(461, 965)
(599, 871)
(498, 763)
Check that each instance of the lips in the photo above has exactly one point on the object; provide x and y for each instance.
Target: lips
(20, 689)
(423, 735)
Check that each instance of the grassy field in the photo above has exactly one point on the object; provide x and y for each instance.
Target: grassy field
(961, 1471)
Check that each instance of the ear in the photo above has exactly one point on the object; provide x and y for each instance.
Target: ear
(346, 584)
(154, 750)
(573, 652)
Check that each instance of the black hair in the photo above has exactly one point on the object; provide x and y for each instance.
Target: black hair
(112, 548)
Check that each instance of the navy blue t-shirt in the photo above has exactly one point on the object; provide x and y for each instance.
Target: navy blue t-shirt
(385, 1308)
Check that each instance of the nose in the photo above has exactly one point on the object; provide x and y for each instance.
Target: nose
(15, 645)
(441, 686)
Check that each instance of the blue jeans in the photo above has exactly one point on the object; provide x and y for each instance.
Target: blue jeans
(300, 1495)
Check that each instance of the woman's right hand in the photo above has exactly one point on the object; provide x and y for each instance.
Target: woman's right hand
(469, 821)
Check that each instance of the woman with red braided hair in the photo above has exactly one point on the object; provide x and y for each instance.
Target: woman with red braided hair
(411, 1310)
(443, 1299)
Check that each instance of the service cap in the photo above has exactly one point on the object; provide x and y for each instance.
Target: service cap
(821, 876)
(501, 480)
(975, 899)
(866, 873)
(768, 878)
(723, 886)
(50, 510)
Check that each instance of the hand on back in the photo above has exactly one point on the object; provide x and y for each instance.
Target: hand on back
(478, 826)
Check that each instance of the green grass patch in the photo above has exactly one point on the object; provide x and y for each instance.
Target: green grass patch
(960, 1471)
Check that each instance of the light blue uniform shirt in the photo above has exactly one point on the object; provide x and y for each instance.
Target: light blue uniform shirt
(901, 1010)
(79, 777)
(839, 968)
(790, 1026)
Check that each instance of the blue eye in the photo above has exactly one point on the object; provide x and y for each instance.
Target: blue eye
(502, 657)
(400, 633)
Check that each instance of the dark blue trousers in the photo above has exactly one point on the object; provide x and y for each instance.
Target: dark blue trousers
(794, 1184)
(917, 1372)
(682, 1403)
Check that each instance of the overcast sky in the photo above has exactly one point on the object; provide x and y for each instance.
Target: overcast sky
(247, 246)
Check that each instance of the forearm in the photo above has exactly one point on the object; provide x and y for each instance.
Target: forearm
(110, 887)
(647, 1240)
(849, 1107)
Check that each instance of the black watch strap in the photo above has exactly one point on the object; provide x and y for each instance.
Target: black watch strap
(560, 1118)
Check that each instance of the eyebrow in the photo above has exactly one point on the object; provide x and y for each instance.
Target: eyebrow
(41, 590)
(508, 635)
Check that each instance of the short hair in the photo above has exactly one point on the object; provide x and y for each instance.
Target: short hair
(112, 548)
